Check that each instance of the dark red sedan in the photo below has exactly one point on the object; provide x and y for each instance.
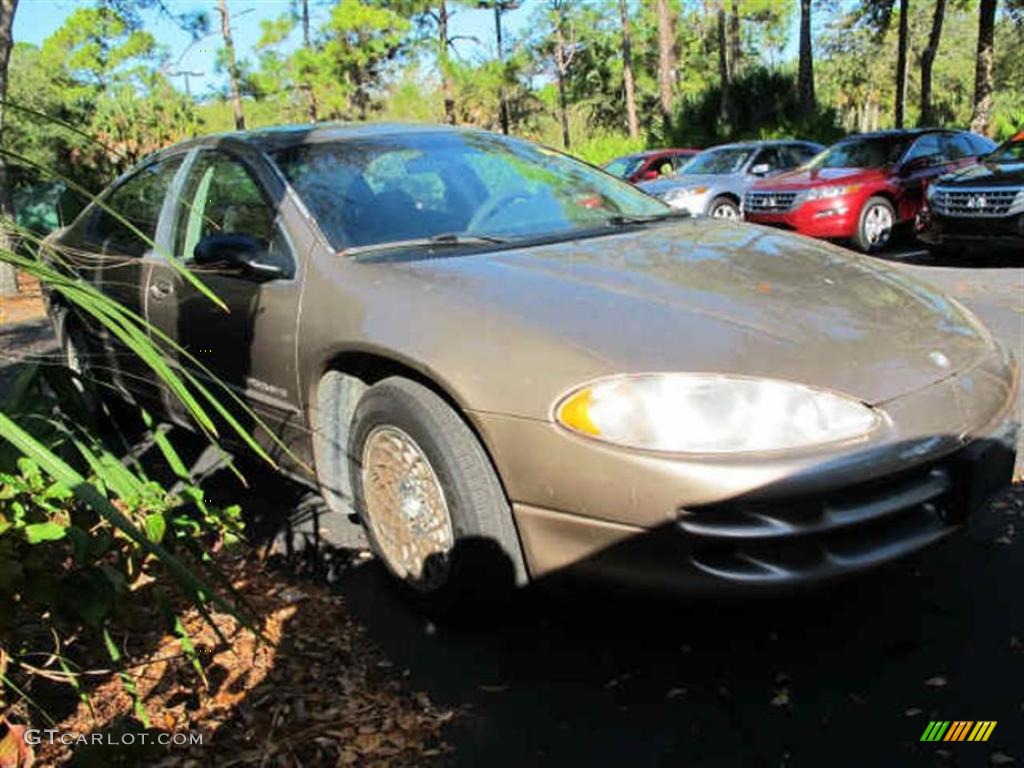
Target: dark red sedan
(649, 165)
(864, 186)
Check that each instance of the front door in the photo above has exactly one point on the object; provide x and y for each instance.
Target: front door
(248, 350)
(113, 244)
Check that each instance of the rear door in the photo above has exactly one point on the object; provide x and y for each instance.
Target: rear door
(250, 347)
(113, 244)
(929, 152)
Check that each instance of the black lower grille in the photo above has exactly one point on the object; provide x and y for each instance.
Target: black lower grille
(809, 538)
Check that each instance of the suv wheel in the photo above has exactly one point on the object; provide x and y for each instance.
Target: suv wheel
(434, 510)
(723, 207)
(876, 225)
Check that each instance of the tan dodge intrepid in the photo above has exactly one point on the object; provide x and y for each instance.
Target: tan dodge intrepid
(508, 364)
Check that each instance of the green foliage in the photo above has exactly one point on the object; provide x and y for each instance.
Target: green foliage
(598, 149)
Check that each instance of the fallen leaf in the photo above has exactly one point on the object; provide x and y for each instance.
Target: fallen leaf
(912, 712)
(501, 688)
(936, 682)
(1001, 758)
(781, 698)
(675, 693)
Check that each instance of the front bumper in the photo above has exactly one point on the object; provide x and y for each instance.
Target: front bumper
(834, 218)
(582, 507)
(935, 229)
(755, 546)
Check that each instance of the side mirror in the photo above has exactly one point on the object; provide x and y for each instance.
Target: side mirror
(237, 250)
(761, 169)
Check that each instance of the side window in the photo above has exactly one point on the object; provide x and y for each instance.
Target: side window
(981, 146)
(799, 154)
(221, 196)
(137, 201)
(769, 156)
(957, 146)
(929, 146)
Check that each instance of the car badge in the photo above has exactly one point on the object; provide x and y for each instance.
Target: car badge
(977, 201)
(771, 201)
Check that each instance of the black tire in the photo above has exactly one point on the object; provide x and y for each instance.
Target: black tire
(864, 238)
(724, 207)
(486, 562)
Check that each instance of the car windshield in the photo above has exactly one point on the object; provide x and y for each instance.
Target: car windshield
(714, 161)
(862, 153)
(623, 166)
(453, 187)
(1010, 152)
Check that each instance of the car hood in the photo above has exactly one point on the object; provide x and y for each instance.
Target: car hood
(688, 296)
(988, 175)
(820, 177)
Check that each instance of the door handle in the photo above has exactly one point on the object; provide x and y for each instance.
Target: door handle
(161, 289)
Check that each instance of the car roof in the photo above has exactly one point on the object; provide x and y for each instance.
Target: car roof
(899, 133)
(764, 143)
(283, 136)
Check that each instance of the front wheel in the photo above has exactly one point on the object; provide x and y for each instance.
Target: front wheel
(723, 207)
(875, 225)
(434, 510)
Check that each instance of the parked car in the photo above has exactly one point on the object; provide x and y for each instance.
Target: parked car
(511, 365)
(982, 203)
(713, 183)
(864, 186)
(653, 164)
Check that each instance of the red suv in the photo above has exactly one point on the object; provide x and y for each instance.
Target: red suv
(861, 188)
(653, 164)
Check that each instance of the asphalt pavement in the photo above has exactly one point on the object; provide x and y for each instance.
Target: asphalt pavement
(845, 676)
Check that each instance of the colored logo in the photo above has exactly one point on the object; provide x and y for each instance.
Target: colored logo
(958, 730)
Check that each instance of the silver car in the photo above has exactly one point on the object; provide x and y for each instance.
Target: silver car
(714, 182)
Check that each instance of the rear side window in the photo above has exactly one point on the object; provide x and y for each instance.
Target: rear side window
(799, 154)
(928, 146)
(982, 146)
(126, 224)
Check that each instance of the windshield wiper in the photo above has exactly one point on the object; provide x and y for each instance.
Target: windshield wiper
(623, 220)
(444, 239)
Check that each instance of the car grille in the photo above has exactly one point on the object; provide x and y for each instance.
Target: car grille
(1000, 201)
(769, 202)
(853, 527)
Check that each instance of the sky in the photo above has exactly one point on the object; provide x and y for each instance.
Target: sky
(36, 20)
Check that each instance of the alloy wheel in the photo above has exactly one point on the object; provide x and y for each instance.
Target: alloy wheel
(725, 211)
(878, 224)
(406, 507)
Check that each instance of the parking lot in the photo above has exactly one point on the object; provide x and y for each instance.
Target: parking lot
(846, 676)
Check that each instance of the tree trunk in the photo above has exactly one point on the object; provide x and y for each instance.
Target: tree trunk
(901, 62)
(562, 64)
(8, 276)
(312, 108)
(444, 64)
(928, 60)
(502, 104)
(805, 76)
(229, 49)
(735, 43)
(983, 71)
(666, 46)
(627, 71)
(724, 74)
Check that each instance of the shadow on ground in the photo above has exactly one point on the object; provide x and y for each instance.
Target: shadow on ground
(848, 675)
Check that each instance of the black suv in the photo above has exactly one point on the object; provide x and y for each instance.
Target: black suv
(983, 203)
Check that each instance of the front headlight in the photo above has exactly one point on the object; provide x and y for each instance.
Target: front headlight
(710, 413)
(821, 193)
(679, 193)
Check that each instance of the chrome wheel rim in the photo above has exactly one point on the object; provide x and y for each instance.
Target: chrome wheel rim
(725, 211)
(406, 508)
(877, 225)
